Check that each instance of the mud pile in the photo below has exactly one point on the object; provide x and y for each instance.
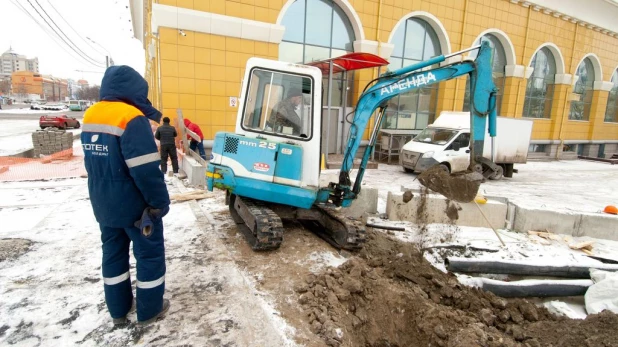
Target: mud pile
(458, 187)
(390, 296)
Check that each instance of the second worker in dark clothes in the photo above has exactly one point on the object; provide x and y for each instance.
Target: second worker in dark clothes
(166, 135)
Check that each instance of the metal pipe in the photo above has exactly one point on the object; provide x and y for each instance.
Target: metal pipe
(368, 150)
(378, 35)
(461, 38)
(344, 96)
(523, 55)
(376, 126)
(330, 98)
(566, 96)
(462, 51)
(430, 61)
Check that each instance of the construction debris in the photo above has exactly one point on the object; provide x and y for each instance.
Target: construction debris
(192, 195)
(545, 234)
(585, 247)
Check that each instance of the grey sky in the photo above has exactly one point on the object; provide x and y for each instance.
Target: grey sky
(107, 22)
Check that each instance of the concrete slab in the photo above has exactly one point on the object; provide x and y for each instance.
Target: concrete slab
(601, 226)
(366, 202)
(196, 172)
(541, 220)
(464, 214)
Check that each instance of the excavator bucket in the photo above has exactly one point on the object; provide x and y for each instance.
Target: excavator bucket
(462, 187)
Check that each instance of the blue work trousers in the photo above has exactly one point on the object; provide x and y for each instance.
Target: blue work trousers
(200, 147)
(149, 254)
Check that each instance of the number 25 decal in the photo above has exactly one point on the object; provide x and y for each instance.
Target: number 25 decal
(265, 144)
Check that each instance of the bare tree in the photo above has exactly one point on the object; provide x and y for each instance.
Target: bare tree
(89, 93)
(22, 91)
(5, 86)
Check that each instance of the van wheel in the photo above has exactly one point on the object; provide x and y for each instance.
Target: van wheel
(445, 168)
(408, 170)
(498, 175)
(508, 172)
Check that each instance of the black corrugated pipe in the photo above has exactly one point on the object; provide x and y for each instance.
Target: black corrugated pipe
(524, 268)
(531, 288)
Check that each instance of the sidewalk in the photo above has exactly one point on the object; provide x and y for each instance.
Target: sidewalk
(53, 294)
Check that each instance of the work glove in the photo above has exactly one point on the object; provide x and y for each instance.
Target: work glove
(149, 217)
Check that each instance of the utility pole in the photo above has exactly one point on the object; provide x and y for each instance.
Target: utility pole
(106, 61)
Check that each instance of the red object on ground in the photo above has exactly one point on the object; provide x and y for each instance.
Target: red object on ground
(349, 62)
(61, 122)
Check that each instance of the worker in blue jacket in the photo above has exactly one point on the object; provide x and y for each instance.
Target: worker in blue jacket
(128, 193)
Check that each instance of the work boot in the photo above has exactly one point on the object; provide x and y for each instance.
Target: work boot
(164, 309)
(124, 320)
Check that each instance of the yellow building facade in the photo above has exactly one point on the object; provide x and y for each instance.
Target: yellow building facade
(555, 62)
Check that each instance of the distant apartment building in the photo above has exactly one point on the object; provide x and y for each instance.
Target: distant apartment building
(83, 83)
(34, 86)
(11, 62)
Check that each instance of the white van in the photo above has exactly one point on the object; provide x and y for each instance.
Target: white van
(446, 142)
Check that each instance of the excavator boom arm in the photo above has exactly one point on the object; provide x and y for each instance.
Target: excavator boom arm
(482, 94)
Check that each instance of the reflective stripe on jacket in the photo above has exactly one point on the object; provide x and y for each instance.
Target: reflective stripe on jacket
(122, 162)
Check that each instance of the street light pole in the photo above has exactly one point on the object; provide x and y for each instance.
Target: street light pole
(108, 58)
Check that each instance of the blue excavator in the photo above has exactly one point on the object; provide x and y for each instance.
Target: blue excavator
(270, 166)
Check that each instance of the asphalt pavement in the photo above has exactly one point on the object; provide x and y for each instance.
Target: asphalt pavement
(36, 114)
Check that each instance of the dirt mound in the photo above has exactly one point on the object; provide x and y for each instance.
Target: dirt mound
(13, 248)
(458, 187)
(390, 296)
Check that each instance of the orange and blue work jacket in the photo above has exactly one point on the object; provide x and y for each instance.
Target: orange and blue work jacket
(122, 162)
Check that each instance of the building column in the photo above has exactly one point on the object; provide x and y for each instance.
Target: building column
(600, 95)
(515, 83)
(563, 88)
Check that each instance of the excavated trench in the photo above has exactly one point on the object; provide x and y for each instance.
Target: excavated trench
(389, 295)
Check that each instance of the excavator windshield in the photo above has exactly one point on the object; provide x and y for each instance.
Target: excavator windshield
(279, 103)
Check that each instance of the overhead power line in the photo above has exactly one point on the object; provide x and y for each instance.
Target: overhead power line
(65, 35)
(75, 31)
(69, 45)
(47, 31)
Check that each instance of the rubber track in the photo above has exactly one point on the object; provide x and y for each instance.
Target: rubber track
(268, 233)
(356, 234)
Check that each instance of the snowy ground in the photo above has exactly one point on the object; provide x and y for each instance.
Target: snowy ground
(27, 110)
(15, 135)
(576, 185)
(53, 294)
(222, 293)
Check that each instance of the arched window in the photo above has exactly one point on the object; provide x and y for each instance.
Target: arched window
(611, 112)
(415, 40)
(580, 109)
(540, 89)
(317, 30)
(498, 61)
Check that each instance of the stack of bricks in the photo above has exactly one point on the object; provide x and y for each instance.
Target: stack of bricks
(50, 141)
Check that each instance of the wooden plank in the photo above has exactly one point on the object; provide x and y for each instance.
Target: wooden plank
(582, 245)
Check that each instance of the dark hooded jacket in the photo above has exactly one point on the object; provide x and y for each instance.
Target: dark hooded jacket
(120, 152)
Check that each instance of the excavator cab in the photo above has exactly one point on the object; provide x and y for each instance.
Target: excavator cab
(274, 154)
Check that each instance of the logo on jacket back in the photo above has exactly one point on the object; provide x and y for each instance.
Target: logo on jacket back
(94, 148)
